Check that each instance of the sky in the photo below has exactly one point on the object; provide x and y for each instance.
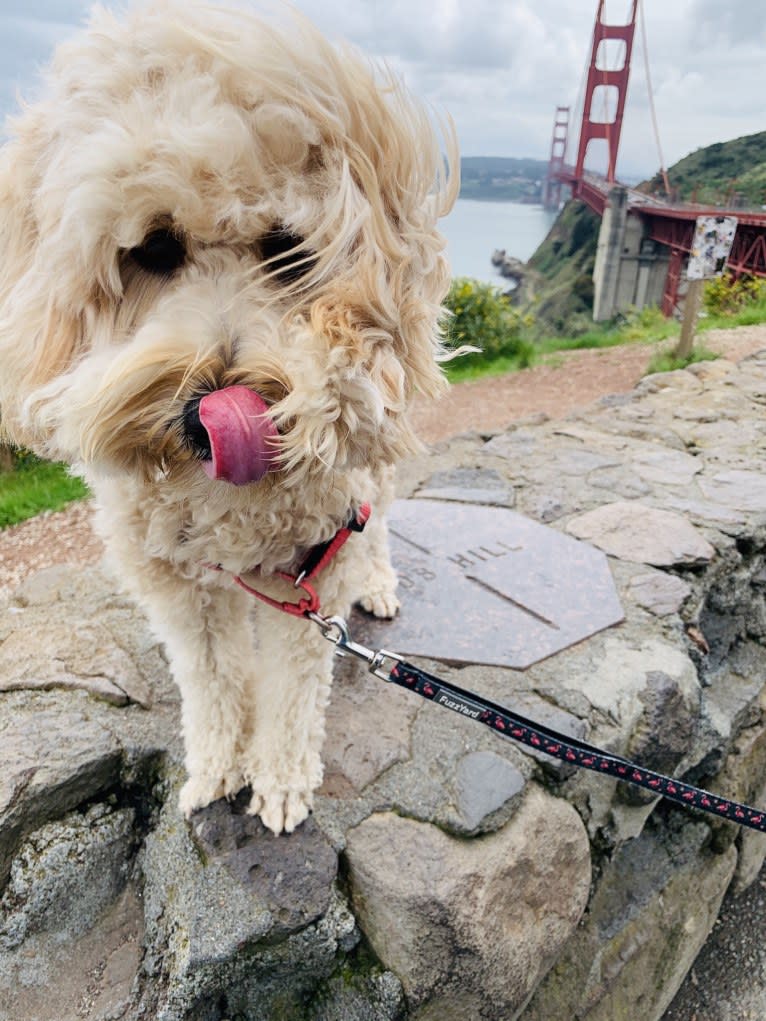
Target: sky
(499, 68)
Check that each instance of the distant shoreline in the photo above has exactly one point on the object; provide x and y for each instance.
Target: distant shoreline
(519, 200)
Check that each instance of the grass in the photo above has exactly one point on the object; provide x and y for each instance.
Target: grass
(640, 327)
(752, 314)
(35, 486)
(667, 361)
(648, 326)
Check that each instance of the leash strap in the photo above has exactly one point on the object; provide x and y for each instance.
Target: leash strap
(543, 739)
(569, 749)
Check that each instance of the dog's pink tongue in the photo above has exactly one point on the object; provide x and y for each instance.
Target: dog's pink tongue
(241, 434)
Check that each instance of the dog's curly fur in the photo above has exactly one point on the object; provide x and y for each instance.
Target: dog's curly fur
(296, 190)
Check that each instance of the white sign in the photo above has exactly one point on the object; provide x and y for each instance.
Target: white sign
(713, 238)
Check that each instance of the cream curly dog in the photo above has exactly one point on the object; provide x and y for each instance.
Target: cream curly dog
(220, 281)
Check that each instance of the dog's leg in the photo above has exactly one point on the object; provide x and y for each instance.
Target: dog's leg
(207, 632)
(290, 695)
(211, 654)
(378, 591)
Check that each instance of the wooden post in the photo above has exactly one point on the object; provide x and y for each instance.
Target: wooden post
(691, 310)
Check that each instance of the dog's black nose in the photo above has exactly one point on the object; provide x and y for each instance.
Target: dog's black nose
(195, 433)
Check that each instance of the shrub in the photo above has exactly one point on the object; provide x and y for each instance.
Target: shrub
(482, 316)
(727, 294)
(645, 324)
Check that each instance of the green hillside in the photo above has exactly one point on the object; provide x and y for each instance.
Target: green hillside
(725, 171)
(497, 178)
(558, 291)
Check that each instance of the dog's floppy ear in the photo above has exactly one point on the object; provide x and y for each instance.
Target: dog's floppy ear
(39, 337)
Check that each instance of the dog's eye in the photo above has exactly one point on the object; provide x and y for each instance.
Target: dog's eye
(162, 252)
(285, 255)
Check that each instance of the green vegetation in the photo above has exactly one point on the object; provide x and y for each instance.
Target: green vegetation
(483, 317)
(727, 296)
(496, 178)
(558, 290)
(730, 172)
(726, 303)
(29, 486)
(667, 361)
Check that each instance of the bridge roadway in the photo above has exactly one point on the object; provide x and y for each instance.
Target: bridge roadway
(672, 224)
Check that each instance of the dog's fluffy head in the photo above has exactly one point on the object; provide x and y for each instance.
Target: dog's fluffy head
(203, 198)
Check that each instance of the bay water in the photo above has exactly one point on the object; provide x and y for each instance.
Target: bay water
(474, 229)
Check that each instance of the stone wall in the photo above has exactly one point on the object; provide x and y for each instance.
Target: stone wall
(445, 873)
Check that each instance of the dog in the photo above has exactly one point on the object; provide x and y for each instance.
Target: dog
(220, 287)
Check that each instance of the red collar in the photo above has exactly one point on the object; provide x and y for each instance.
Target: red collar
(315, 561)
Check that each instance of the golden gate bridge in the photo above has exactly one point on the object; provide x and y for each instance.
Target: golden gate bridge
(645, 240)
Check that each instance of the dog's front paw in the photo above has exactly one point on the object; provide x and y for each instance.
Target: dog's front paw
(281, 811)
(201, 790)
(381, 602)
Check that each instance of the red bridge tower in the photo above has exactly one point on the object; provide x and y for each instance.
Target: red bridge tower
(552, 186)
(600, 76)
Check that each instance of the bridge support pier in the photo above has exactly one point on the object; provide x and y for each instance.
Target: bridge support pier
(630, 269)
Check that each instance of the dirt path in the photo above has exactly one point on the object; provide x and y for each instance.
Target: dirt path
(567, 383)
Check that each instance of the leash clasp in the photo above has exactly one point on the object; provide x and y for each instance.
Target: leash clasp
(335, 630)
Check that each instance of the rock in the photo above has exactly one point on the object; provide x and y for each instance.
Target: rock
(368, 731)
(661, 594)
(645, 535)
(620, 482)
(51, 761)
(53, 655)
(469, 485)
(707, 512)
(622, 672)
(92, 976)
(377, 997)
(740, 490)
(484, 782)
(68, 917)
(642, 931)
(741, 780)
(666, 467)
(679, 381)
(293, 878)
(443, 913)
(665, 731)
(712, 372)
(233, 911)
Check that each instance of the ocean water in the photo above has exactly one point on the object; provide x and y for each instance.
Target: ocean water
(475, 229)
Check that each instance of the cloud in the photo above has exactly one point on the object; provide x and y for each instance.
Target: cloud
(500, 68)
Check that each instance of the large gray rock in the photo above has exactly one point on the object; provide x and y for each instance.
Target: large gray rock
(646, 535)
(70, 935)
(470, 927)
(642, 931)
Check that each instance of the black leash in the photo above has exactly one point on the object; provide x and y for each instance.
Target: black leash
(509, 724)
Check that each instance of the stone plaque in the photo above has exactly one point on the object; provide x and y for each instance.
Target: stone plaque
(487, 585)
